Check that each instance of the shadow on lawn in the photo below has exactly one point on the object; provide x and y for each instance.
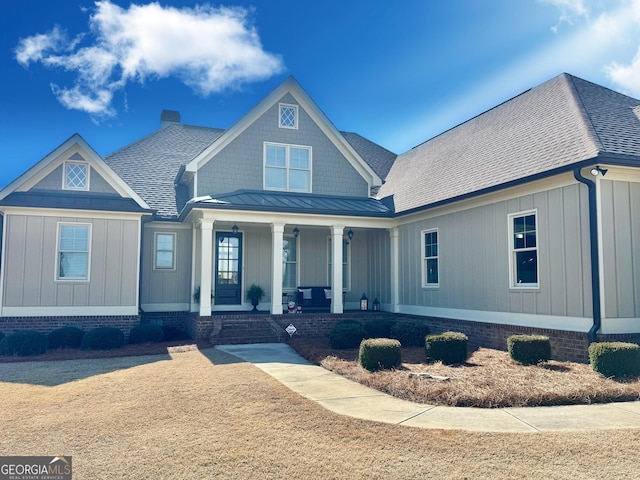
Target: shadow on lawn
(54, 373)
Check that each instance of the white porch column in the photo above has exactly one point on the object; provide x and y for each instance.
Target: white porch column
(336, 269)
(206, 266)
(277, 234)
(395, 270)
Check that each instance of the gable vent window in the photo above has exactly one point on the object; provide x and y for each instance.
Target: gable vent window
(288, 116)
(76, 176)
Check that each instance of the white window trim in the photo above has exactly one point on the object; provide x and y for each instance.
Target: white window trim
(286, 167)
(346, 287)
(424, 258)
(295, 116)
(512, 252)
(155, 252)
(65, 186)
(295, 239)
(57, 277)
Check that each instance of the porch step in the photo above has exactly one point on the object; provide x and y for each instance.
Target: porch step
(236, 331)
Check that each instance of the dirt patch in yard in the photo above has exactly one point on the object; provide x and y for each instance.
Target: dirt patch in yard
(195, 414)
(489, 378)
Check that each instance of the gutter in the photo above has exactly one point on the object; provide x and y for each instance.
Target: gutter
(595, 254)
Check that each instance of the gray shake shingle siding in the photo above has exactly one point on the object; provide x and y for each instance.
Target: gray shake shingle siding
(560, 123)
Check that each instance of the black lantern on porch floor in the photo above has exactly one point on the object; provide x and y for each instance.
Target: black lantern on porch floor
(376, 305)
(364, 302)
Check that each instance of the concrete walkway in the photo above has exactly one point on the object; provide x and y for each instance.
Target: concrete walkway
(346, 397)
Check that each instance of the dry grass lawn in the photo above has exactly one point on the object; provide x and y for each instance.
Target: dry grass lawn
(489, 378)
(198, 414)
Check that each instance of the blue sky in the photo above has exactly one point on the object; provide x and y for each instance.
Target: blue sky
(397, 73)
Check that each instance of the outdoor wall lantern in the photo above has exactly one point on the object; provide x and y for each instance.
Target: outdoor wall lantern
(235, 229)
(598, 170)
(296, 232)
(364, 302)
(376, 305)
(350, 234)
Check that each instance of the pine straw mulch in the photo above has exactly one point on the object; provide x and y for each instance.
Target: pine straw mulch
(489, 378)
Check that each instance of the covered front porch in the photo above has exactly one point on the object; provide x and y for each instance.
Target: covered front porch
(282, 251)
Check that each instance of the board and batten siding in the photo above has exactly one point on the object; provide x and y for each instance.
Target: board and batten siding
(474, 249)
(31, 265)
(240, 165)
(620, 204)
(166, 286)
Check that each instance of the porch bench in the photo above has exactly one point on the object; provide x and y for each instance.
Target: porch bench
(314, 298)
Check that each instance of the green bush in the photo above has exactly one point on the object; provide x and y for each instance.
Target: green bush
(146, 333)
(411, 333)
(174, 333)
(448, 347)
(102, 338)
(1, 335)
(380, 354)
(379, 328)
(65, 337)
(529, 349)
(615, 359)
(346, 335)
(23, 343)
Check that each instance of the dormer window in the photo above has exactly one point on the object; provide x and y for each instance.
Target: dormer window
(76, 176)
(288, 116)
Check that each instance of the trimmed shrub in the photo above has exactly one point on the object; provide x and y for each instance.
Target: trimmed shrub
(448, 347)
(411, 333)
(346, 335)
(1, 335)
(380, 354)
(379, 328)
(174, 333)
(23, 343)
(529, 349)
(615, 359)
(65, 337)
(146, 333)
(102, 338)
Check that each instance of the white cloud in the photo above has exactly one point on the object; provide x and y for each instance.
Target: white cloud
(570, 11)
(209, 49)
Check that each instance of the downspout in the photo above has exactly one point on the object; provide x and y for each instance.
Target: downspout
(595, 260)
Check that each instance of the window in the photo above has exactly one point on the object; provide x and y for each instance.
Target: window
(73, 251)
(289, 262)
(287, 168)
(524, 250)
(430, 276)
(76, 176)
(288, 117)
(346, 270)
(165, 251)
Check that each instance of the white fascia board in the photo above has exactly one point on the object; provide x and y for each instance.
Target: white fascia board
(550, 322)
(50, 162)
(70, 311)
(291, 86)
(165, 307)
(252, 217)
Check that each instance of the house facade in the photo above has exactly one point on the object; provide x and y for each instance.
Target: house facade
(524, 218)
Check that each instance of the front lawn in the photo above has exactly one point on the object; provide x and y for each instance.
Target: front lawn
(489, 378)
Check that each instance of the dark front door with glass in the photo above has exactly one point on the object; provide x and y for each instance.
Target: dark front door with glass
(228, 274)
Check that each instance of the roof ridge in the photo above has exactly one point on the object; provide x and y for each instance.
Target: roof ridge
(585, 116)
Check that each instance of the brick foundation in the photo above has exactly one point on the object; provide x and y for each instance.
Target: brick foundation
(47, 324)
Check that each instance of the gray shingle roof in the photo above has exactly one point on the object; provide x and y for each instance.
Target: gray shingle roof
(150, 165)
(557, 124)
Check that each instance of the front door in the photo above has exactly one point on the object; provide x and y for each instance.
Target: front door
(228, 273)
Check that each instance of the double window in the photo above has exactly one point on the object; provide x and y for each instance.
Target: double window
(430, 274)
(165, 251)
(287, 167)
(74, 240)
(76, 176)
(523, 259)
